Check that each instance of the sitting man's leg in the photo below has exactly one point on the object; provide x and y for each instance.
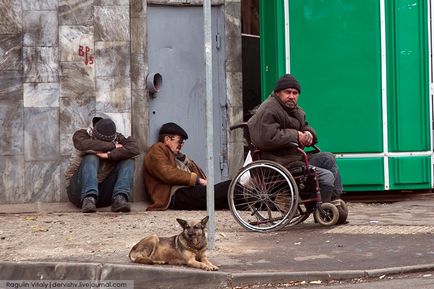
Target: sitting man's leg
(189, 198)
(194, 198)
(83, 189)
(221, 195)
(326, 184)
(327, 161)
(116, 188)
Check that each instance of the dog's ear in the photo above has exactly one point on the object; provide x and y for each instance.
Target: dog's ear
(182, 222)
(204, 221)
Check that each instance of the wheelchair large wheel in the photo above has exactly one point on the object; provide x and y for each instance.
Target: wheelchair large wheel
(263, 196)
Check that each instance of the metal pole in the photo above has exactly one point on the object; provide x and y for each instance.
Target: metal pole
(209, 122)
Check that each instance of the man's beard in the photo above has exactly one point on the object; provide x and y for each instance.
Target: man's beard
(291, 104)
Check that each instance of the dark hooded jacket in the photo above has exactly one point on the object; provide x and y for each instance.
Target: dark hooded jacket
(274, 127)
(85, 143)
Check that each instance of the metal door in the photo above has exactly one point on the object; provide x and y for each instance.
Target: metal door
(176, 51)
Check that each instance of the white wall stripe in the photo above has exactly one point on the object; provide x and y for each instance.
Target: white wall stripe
(431, 85)
(384, 92)
(384, 155)
(287, 37)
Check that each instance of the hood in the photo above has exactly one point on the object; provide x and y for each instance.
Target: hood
(95, 118)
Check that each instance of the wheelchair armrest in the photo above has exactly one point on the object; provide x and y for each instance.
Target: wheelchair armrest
(314, 150)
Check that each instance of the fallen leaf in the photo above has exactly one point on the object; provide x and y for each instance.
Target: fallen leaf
(36, 229)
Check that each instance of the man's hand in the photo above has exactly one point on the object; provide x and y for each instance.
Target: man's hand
(203, 182)
(102, 155)
(305, 138)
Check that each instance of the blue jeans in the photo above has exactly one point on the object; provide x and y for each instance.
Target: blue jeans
(328, 175)
(85, 182)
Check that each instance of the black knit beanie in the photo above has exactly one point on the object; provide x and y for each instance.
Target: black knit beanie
(105, 129)
(287, 81)
(173, 128)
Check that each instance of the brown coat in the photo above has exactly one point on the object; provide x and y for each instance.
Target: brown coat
(161, 173)
(274, 127)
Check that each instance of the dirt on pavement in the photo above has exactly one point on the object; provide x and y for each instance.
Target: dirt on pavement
(105, 237)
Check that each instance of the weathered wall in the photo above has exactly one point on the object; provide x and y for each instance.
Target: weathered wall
(49, 87)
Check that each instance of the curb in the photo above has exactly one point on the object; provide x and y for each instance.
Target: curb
(239, 279)
(158, 277)
(143, 276)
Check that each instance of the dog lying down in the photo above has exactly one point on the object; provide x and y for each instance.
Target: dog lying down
(188, 248)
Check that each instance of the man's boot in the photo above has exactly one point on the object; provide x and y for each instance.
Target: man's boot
(120, 204)
(88, 205)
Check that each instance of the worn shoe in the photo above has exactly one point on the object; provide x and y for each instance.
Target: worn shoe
(88, 205)
(120, 204)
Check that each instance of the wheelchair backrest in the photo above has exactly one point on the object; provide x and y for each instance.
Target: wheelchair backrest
(255, 152)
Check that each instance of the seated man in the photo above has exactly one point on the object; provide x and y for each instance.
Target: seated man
(101, 169)
(172, 180)
(278, 122)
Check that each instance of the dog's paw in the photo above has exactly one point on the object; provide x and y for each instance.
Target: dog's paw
(159, 262)
(210, 267)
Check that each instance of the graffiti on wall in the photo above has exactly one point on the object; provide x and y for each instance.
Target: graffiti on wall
(84, 51)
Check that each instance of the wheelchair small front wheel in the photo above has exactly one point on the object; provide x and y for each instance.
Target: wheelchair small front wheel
(343, 211)
(327, 214)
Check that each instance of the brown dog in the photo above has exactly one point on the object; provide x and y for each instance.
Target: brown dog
(187, 248)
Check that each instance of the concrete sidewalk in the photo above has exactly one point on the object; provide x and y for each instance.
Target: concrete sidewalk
(57, 242)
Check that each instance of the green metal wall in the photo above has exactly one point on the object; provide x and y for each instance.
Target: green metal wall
(272, 43)
(338, 62)
(407, 75)
(336, 53)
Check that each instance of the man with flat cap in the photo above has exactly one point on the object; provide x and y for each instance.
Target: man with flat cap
(278, 122)
(172, 180)
(101, 169)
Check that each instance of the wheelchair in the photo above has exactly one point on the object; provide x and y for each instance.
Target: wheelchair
(265, 196)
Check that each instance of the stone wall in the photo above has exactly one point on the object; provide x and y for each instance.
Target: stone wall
(61, 61)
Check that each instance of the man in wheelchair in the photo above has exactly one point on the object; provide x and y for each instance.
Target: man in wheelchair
(279, 123)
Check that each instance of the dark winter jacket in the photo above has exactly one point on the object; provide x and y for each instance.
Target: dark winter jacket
(274, 127)
(85, 143)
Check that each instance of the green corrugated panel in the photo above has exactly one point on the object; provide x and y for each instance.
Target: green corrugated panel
(410, 172)
(362, 173)
(336, 55)
(272, 42)
(407, 75)
(335, 52)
